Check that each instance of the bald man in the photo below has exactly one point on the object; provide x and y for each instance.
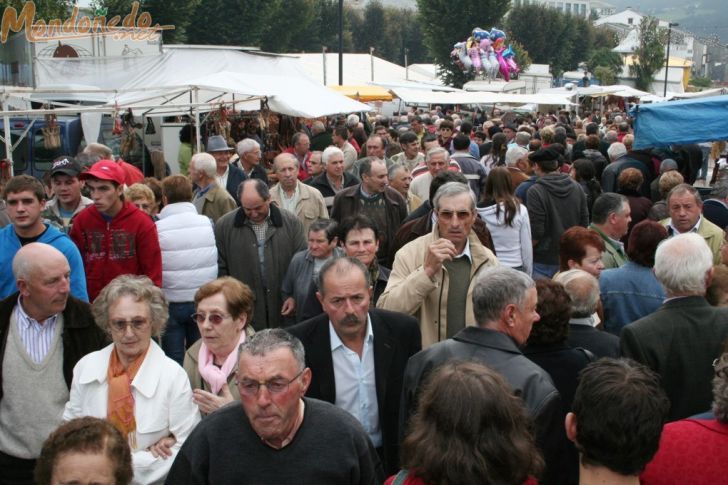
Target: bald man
(44, 332)
(293, 195)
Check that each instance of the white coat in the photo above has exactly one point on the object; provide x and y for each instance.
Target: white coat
(163, 405)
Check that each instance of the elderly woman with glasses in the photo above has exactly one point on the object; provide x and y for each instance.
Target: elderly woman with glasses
(224, 311)
(131, 383)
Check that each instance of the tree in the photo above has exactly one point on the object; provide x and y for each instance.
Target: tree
(443, 23)
(232, 22)
(290, 28)
(552, 42)
(180, 14)
(700, 82)
(649, 56)
(607, 59)
(605, 75)
(44, 9)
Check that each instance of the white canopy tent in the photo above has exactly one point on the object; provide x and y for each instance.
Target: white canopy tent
(473, 97)
(181, 76)
(179, 81)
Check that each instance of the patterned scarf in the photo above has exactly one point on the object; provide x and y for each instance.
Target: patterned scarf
(120, 408)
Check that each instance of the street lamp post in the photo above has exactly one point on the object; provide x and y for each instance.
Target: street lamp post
(341, 42)
(670, 25)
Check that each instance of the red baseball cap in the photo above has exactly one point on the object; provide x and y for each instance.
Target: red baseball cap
(105, 170)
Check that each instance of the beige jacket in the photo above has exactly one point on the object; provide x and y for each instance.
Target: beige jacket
(310, 206)
(410, 291)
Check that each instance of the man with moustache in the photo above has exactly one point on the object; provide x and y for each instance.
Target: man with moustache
(357, 355)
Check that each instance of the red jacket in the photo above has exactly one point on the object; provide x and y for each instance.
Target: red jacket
(132, 174)
(127, 245)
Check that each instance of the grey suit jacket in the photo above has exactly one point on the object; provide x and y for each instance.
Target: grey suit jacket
(679, 341)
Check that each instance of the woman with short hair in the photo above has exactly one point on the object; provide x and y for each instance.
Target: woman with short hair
(224, 312)
(581, 248)
(142, 392)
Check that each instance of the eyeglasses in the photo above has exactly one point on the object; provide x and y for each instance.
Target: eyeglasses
(276, 386)
(215, 318)
(136, 324)
(448, 215)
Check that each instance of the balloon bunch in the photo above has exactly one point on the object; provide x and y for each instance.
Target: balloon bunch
(485, 53)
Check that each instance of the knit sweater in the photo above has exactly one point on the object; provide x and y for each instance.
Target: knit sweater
(329, 447)
(34, 408)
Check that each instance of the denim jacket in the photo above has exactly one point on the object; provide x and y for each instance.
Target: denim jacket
(628, 294)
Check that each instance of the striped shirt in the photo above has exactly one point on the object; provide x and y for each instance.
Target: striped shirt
(37, 337)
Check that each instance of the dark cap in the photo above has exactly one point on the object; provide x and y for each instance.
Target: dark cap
(66, 165)
(546, 158)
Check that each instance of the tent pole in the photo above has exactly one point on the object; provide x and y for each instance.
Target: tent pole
(197, 125)
(8, 142)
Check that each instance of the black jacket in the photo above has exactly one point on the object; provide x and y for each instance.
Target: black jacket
(80, 336)
(599, 343)
(322, 184)
(396, 338)
(235, 178)
(529, 381)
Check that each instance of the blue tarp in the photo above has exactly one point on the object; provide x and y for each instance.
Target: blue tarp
(680, 122)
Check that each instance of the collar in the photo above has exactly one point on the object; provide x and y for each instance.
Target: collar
(673, 230)
(27, 320)
(203, 191)
(275, 217)
(586, 321)
(146, 380)
(466, 251)
(336, 342)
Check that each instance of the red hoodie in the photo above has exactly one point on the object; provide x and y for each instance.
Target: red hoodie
(128, 244)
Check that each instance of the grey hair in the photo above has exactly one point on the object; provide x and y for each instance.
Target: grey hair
(260, 187)
(317, 127)
(611, 136)
(523, 137)
(341, 265)
(514, 154)
(141, 289)
(352, 120)
(682, 263)
(720, 389)
(245, 145)
(282, 156)
(271, 339)
(616, 150)
(99, 149)
(205, 163)
(607, 203)
(452, 189)
(685, 189)
(583, 289)
(365, 166)
(496, 288)
(328, 151)
(394, 168)
(436, 151)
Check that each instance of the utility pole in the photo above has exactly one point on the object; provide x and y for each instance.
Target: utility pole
(670, 25)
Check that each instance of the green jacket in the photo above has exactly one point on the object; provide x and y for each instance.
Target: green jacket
(712, 234)
(613, 255)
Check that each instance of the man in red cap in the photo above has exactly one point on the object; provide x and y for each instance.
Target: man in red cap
(113, 235)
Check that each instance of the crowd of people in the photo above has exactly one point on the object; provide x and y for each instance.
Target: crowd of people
(438, 298)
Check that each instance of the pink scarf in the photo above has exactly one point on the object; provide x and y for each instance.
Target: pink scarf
(216, 376)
